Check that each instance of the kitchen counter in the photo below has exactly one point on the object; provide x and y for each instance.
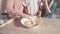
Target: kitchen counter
(47, 26)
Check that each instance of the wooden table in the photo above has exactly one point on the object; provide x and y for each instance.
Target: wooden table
(47, 26)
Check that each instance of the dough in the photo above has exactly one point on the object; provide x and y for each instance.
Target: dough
(29, 23)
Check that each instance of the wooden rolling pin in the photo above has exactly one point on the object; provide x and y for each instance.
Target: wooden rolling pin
(9, 21)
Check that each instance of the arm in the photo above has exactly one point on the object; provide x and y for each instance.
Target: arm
(40, 9)
(48, 11)
(39, 13)
(51, 3)
(13, 11)
(9, 6)
(26, 10)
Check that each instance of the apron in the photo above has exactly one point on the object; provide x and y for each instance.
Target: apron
(33, 6)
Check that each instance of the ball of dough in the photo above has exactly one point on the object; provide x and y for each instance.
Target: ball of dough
(28, 24)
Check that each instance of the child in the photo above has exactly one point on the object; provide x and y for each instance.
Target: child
(51, 7)
(15, 7)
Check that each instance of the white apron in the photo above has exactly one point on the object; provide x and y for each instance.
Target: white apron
(33, 6)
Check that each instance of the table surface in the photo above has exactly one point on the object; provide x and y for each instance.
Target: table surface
(47, 26)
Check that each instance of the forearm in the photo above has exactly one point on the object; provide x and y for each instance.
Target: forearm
(47, 8)
(39, 13)
(51, 3)
(26, 10)
(17, 10)
(11, 11)
(18, 13)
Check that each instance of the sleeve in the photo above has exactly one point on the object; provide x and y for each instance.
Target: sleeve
(9, 4)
